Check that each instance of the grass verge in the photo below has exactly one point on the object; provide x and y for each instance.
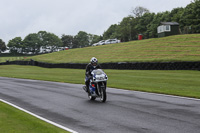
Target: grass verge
(11, 58)
(180, 83)
(16, 121)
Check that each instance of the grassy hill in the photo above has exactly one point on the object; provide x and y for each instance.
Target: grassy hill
(173, 48)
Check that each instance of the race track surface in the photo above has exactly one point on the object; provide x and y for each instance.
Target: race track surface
(124, 111)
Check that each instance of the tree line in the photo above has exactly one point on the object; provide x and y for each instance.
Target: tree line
(33, 43)
(140, 21)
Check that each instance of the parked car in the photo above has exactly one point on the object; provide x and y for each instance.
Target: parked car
(95, 44)
(110, 41)
(102, 42)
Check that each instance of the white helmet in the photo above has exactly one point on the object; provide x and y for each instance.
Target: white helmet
(94, 62)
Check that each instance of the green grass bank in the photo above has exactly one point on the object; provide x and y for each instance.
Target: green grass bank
(11, 58)
(172, 48)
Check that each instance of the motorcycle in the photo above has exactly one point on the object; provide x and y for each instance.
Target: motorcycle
(97, 85)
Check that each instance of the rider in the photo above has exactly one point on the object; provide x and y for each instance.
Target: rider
(89, 68)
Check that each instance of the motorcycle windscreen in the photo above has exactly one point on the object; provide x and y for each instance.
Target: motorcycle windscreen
(98, 72)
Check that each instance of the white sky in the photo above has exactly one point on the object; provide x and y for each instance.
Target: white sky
(18, 18)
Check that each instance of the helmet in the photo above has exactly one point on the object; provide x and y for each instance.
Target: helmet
(94, 62)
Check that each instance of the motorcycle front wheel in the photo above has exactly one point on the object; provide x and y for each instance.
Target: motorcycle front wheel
(103, 95)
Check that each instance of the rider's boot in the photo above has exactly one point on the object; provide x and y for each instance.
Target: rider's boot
(87, 88)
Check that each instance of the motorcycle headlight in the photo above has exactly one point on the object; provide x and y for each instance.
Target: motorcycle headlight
(100, 78)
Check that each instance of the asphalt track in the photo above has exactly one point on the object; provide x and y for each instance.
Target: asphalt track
(124, 111)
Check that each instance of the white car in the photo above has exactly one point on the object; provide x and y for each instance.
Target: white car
(110, 41)
(102, 42)
(95, 44)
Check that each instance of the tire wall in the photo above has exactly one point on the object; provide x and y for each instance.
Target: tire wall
(119, 65)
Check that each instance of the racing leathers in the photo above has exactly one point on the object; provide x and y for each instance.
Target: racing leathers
(89, 69)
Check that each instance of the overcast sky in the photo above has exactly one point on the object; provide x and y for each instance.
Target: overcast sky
(18, 18)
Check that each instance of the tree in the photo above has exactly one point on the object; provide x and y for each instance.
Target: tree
(82, 39)
(94, 38)
(127, 29)
(43, 37)
(32, 43)
(2, 46)
(143, 23)
(139, 11)
(16, 45)
(111, 32)
(196, 21)
(157, 18)
(67, 40)
(130, 26)
(49, 41)
(190, 19)
(53, 41)
(176, 14)
(75, 42)
(165, 16)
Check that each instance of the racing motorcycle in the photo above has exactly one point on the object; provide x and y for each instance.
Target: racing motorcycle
(97, 85)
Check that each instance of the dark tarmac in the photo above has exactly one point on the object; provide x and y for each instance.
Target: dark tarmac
(123, 112)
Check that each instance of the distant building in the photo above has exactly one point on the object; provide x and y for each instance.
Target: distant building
(168, 29)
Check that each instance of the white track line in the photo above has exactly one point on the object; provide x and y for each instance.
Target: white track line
(39, 117)
(157, 94)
